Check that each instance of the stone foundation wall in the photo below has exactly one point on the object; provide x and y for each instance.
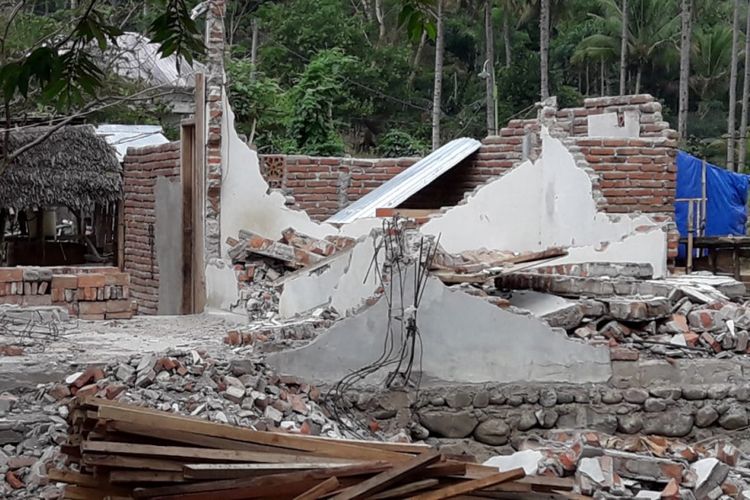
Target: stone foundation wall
(141, 169)
(494, 414)
(92, 293)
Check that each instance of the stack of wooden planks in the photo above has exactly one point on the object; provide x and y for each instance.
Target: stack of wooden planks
(123, 451)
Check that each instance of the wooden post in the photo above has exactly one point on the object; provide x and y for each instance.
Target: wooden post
(199, 196)
(689, 266)
(187, 165)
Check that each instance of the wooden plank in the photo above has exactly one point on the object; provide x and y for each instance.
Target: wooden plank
(316, 492)
(187, 166)
(473, 485)
(385, 479)
(145, 476)
(120, 462)
(189, 438)
(72, 477)
(199, 194)
(406, 489)
(199, 453)
(310, 477)
(160, 420)
(231, 471)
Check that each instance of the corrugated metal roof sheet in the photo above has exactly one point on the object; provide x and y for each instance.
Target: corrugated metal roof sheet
(122, 137)
(410, 181)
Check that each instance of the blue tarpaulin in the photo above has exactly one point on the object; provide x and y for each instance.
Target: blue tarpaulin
(726, 194)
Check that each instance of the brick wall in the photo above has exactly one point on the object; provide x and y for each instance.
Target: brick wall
(91, 292)
(322, 186)
(629, 175)
(141, 169)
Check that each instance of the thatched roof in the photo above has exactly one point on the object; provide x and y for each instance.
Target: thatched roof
(74, 167)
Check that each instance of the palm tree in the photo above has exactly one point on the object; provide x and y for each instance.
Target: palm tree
(544, 47)
(489, 43)
(623, 46)
(733, 87)
(711, 54)
(685, 42)
(652, 28)
(438, 83)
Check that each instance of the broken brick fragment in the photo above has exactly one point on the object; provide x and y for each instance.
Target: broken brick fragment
(711, 341)
(13, 481)
(623, 354)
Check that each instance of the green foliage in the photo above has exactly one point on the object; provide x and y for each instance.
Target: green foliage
(397, 143)
(313, 127)
(261, 107)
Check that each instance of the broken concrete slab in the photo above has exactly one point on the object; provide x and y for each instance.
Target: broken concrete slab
(556, 311)
(464, 338)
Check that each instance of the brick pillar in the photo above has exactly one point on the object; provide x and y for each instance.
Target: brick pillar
(215, 45)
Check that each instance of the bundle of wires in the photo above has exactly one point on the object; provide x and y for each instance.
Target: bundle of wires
(402, 342)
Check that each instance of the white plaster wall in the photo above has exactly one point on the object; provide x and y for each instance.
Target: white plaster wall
(607, 125)
(221, 286)
(543, 204)
(245, 200)
(345, 285)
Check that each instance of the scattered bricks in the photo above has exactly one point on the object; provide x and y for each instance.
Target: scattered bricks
(641, 309)
(64, 281)
(115, 306)
(233, 337)
(37, 300)
(43, 286)
(91, 308)
(10, 275)
(308, 243)
(59, 391)
(644, 468)
(727, 453)
(91, 374)
(742, 341)
(705, 320)
(87, 294)
(691, 339)
(671, 491)
(114, 390)
(11, 350)
(13, 481)
(614, 330)
(87, 390)
(711, 341)
(92, 280)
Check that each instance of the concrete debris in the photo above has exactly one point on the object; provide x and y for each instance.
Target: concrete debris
(239, 392)
(260, 262)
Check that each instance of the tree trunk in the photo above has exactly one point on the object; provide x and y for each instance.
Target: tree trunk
(624, 47)
(733, 88)
(687, 23)
(415, 61)
(381, 20)
(588, 81)
(489, 42)
(544, 48)
(254, 47)
(506, 39)
(603, 79)
(638, 75)
(438, 88)
(745, 100)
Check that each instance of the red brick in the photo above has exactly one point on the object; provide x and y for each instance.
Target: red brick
(121, 279)
(93, 280)
(92, 307)
(116, 306)
(13, 481)
(11, 350)
(10, 274)
(64, 281)
(37, 300)
(93, 317)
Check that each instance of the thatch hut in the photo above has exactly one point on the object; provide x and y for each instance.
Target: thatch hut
(74, 172)
(73, 168)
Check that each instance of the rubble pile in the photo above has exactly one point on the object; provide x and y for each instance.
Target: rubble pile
(270, 335)
(685, 316)
(259, 262)
(240, 392)
(654, 467)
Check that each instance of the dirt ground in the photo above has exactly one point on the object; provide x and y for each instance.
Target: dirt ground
(81, 343)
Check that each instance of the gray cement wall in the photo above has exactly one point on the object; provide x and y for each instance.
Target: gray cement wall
(168, 244)
(465, 340)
